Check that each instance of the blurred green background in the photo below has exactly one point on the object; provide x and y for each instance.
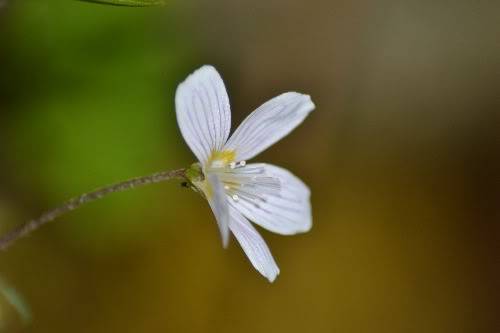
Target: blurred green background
(402, 156)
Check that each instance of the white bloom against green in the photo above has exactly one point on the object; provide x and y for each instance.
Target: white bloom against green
(237, 191)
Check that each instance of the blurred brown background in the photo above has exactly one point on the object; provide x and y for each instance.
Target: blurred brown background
(402, 156)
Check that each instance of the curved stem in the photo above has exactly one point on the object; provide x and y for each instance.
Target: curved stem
(76, 202)
(129, 3)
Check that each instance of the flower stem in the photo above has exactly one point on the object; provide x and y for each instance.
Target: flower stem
(76, 202)
(129, 3)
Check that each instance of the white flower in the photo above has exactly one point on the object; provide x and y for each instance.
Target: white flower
(237, 192)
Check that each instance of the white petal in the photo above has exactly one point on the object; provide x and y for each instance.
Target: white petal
(285, 211)
(218, 202)
(203, 112)
(253, 245)
(269, 123)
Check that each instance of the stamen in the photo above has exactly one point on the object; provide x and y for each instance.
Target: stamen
(247, 183)
(240, 164)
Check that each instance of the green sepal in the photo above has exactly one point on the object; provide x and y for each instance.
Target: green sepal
(195, 178)
(195, 173)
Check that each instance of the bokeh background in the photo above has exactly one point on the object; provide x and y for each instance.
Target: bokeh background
(402, 156)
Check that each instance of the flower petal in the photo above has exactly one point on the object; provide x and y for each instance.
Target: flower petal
(269, 123)
(218, 202)
(253, 245)
(203, 112)
(285, 210)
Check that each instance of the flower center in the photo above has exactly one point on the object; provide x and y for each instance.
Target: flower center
(220, 159)
(241, 182)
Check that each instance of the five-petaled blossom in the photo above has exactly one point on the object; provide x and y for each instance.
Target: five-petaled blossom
(238, 192)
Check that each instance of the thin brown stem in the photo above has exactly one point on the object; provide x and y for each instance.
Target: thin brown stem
(76, 202)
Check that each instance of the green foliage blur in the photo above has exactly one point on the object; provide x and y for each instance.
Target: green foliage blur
(100, 89)
(402, 157)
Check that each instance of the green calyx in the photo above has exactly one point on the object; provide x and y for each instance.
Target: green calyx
(194, 174)
(195, 179)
